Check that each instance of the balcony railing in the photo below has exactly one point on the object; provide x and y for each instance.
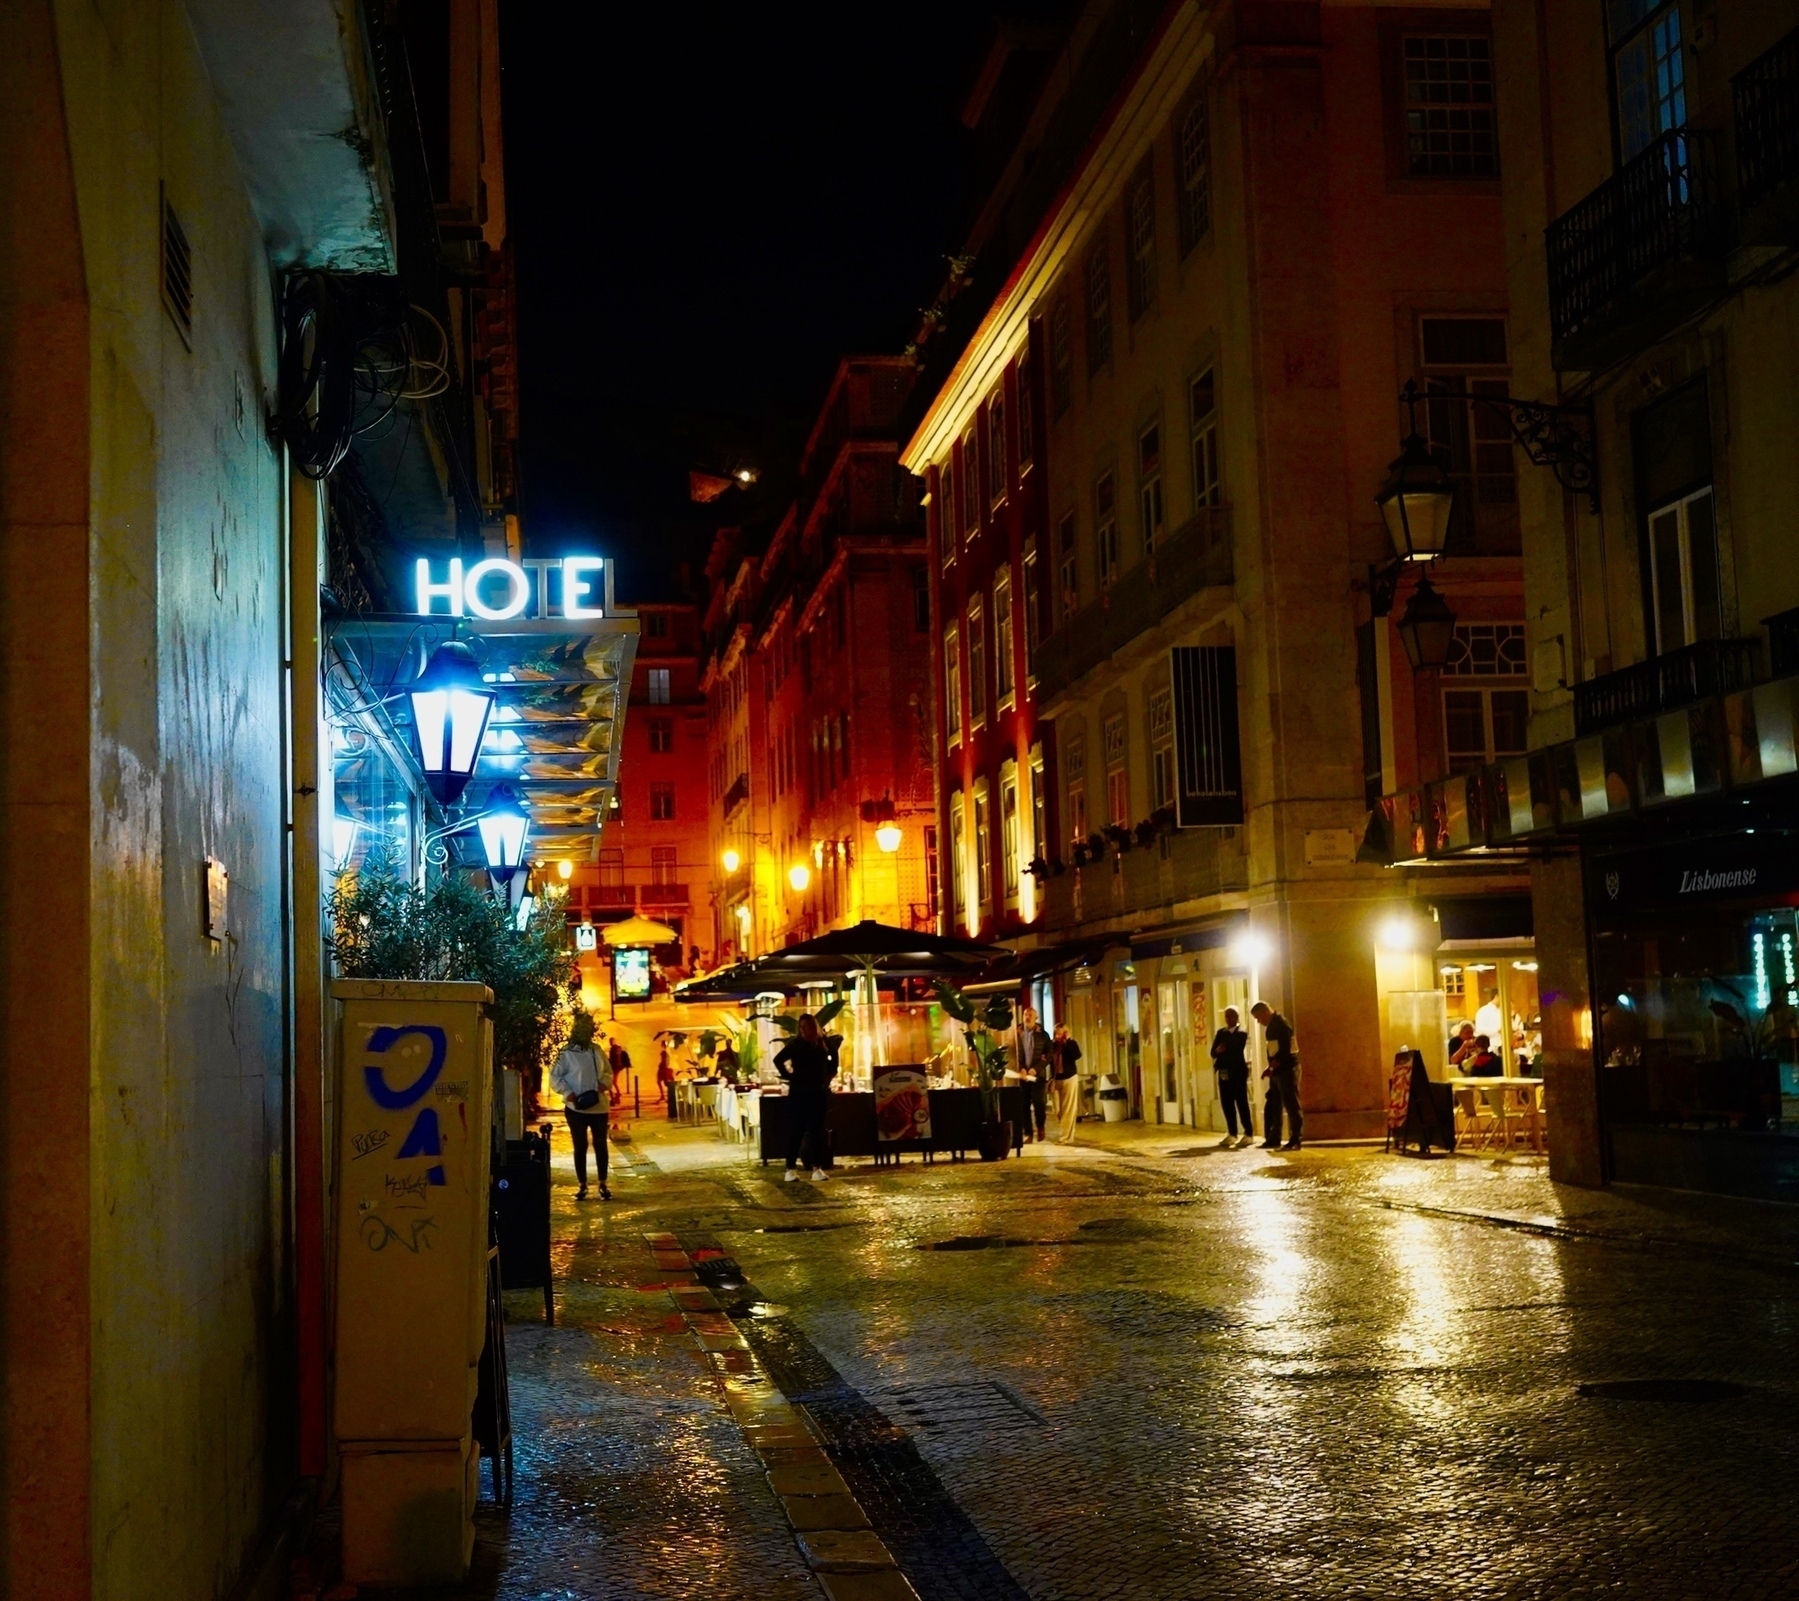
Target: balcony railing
(1196, 556)
(1665, 683)
(609, 895)
(1615, 258)
(736, 795)
(663, 894)
(1766, 93)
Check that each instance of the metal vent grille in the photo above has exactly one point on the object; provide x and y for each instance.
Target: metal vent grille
(177, 274)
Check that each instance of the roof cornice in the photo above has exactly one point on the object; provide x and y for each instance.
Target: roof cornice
(1146, 103)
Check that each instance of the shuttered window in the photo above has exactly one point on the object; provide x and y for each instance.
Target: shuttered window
(1208, 759)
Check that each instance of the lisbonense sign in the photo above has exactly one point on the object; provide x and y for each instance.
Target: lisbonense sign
(495, 589)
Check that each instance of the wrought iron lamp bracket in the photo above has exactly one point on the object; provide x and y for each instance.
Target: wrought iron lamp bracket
(1557, 437)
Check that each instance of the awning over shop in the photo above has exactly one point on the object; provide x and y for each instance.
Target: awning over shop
(562, 686)
(1485, 917)
(1215, 933)
(1017, 968)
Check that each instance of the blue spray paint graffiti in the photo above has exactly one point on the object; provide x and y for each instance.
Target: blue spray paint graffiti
(425, 1138)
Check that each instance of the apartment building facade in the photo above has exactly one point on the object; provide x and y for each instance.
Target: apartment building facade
(820, 760)
(1264, 221)
(1651, 162)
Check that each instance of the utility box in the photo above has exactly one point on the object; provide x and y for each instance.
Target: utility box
(413, 1115)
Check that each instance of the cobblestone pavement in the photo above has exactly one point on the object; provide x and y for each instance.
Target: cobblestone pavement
(1146, 1368)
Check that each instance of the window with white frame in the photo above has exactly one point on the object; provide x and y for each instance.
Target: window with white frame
(1099, 307)
(1033, 610)
(1140, 225)
(1683, 573)
(1202, 422)
(952, 684)
(1149, 483)
(1010, 842)
(1002, 638)
(1486, 709)
(983, 850)
(1039, 804)
(977, 664)
(946, 511)
(664, 865)
(1193, 155)
(1061, 357)
(996, 449)
(1068, 569)
(1027, 440)
(1464, 364)
(971, 484)
(1450, 127)
(1161, 749)
(1074, 772)
(1105, 528)
(958, 862)
(1118, 778)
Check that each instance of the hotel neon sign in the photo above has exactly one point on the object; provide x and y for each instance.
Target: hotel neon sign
(496, 589)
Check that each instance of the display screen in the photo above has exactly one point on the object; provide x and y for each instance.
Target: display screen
(631, 974)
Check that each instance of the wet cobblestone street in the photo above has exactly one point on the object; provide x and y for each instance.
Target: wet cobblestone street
(1147, 1368)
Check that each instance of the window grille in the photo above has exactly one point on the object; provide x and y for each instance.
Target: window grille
(1061, 358)
(1099, 309)
(1140, 213)
(1449, 118)
(1208, 757)
(1193, 152)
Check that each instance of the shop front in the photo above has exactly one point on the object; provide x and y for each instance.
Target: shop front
(1696, 1001)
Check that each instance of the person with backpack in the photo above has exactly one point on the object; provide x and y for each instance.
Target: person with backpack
(581, 1077)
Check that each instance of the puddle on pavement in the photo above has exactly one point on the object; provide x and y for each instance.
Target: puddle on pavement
(978, 1242)
(806, 1228)
(1686, 1391)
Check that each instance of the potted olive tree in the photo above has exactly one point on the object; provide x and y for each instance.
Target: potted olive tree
(983, 1020)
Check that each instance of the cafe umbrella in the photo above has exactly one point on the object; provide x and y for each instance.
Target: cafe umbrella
(872, 951)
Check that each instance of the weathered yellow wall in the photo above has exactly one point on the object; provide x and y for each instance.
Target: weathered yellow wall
(43, 832)
(145, 1103)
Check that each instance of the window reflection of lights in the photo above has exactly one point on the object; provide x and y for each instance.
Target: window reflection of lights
(1786, 962)
(1758, 943)
(1627, 1003)
(503, 740)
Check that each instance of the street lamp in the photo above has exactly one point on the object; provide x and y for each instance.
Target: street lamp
(799, 876)
(450, 710)
(1427, 627)
(565, 869)
(888, 836)
(1419, 494)
(730, 860)
(503, 827)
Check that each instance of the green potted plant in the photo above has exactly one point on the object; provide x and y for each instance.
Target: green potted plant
(983, 1020)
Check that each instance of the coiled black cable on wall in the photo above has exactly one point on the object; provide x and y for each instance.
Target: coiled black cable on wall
(316, 418)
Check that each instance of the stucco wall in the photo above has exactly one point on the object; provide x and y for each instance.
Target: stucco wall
(185, 1068)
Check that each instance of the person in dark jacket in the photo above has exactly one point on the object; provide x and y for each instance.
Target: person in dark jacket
(1230, 1058)
(1282, 1074)
(808, 1065)
(1034, 1051)
(1066, 1055)
(1483, 1061)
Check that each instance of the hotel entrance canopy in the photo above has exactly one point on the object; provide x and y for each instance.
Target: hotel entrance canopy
(562, 685)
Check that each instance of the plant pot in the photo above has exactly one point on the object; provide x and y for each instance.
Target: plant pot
(995, 1140)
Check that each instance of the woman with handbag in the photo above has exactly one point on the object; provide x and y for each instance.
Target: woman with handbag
(581, 1077)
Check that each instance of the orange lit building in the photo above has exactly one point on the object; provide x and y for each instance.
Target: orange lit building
(653, 855)
(817, 684)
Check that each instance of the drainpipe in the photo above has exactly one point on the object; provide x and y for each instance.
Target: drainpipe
(306, 995)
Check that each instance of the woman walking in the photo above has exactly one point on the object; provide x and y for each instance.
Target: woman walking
(808, 1066)
(1065, 1057)
(581, 1077)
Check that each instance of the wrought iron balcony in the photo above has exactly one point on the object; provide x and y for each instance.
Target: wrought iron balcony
(736, 795)
(663, 895)
(1640, 253)
(1196, 556)
(1665, 683)
(609, 895)
(1766, 93)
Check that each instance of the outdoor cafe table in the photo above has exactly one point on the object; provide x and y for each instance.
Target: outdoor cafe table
(1518, 1099)
(956, 1118)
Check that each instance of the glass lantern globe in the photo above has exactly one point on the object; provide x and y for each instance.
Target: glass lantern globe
(450, 711)
(1416, 502)
(1427, 628)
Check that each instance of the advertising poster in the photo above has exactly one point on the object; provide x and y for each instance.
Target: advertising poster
(631, 974)
(902, 1105)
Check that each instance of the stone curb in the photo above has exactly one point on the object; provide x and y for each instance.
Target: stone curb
(830, 1528)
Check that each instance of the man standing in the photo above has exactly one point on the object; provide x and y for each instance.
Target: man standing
(1034, 1050)
(1230, 1057)
(1282, 1074)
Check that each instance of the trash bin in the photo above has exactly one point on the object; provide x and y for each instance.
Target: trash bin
(1115, 1103)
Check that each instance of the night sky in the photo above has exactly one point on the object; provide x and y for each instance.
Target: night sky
(709, 204)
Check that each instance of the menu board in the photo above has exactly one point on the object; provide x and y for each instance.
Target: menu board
(630, 974)
(902, 1104)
